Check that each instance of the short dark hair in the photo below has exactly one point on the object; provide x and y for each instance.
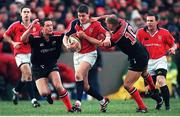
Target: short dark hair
(42, 22)
(83, 9)
(153, 14)
(25, 7)
(113, 19)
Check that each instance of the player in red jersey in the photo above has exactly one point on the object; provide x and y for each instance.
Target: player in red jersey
(157, 42)
(123, 37)
(46, 48)
(86, 57)
(22, 54)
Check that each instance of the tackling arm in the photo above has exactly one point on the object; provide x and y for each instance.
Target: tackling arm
(25, 35)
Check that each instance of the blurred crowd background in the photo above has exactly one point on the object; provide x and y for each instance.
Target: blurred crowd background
(64, 11)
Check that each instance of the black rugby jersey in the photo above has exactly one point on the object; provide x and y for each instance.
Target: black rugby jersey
(125, 39)
(45, 51)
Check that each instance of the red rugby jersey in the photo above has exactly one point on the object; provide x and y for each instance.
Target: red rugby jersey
(93, 30)
(15, 31)
(156, 44)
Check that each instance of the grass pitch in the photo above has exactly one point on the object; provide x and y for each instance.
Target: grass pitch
(90, 108)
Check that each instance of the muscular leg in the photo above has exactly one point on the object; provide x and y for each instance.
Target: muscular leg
(130, 79)
(154, 93)
(55, 77)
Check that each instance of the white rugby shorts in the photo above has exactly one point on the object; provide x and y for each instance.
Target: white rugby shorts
(155, 64)
(22, 58)
(87, 57)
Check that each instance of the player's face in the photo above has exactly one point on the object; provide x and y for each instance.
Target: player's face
(83, 17)
(109, 26)
(48, 27)
(151, 22)
(26, 14)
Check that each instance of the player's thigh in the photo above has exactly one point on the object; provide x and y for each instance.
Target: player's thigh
(42, 86)
(83, 69)
(26, 72)
(56, 79)
(131, 78)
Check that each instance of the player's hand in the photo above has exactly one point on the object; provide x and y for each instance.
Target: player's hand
(172, 50)
(16, 45)
(34, 22)
(107, 43)
(73, 46)
(81, 34)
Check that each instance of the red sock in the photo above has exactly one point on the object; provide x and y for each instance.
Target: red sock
(65, 98)
(148, 79)
(136, 96)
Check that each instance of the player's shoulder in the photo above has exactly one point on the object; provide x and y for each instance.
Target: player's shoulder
(95, 23)
(140, 30)
(16, 23)
(163, 30)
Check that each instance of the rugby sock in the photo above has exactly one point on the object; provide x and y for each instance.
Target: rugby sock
(19, 86)
(155, 95)
(165, 94)
(65, 98)
(94, 93)
(148, 79)
(79, 89)
(30, 89)
(136, 96)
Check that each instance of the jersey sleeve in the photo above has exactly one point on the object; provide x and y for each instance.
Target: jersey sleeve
(138, 36)
(169, 39)
(71, 28)
(101, 29)
(9, 32)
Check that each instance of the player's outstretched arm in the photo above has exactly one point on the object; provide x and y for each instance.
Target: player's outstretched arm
(102, 17)
(25, 35)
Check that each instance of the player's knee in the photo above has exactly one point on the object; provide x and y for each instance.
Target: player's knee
(86, 87)
(27, 76)
(58, 87)
(126, 86)
(161, 81)
(78, 76)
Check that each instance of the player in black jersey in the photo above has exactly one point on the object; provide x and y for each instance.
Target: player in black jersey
(46, 45)
(123, 37)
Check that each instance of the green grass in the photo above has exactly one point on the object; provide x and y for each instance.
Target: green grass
(115, 108)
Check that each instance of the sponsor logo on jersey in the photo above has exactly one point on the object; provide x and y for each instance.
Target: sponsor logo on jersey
(159, 37)
(54, 42)
(41, 44)
(34, 29)
(91, 30)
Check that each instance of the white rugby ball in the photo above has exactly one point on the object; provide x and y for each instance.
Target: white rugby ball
(73, 39)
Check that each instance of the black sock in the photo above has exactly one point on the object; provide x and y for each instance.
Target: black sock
(79, 89)
(165, 94)
(155, 95)
(30, 89)
(94, 93)
(20, 86)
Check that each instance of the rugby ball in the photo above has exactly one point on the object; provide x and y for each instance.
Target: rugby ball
(74, 39)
